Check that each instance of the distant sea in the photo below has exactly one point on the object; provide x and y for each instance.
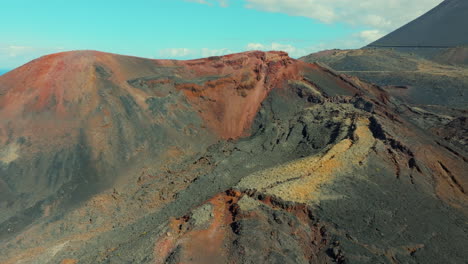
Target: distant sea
(3, 71)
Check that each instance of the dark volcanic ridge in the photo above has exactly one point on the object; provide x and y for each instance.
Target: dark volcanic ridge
(246, 158)
(442, 27)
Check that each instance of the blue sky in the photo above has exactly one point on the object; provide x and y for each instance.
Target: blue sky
(185, 29)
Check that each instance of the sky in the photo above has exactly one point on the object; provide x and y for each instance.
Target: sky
(187, 29)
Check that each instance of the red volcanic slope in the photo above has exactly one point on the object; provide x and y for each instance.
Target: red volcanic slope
(73, 121)
(109, 158)
(235, 98)
(67, 77)
(104, 112)
(66, 85)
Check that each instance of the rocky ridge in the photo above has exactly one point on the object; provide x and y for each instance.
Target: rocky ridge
(252, 157)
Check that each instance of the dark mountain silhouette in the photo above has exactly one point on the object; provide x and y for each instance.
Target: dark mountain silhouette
(442, 27)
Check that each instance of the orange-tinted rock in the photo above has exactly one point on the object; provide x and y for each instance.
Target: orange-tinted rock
(69, 261)
(220, 241)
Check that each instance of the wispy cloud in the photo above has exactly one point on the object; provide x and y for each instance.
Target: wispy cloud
(175, 52)
(289, 48)
(223, 3)
(14, 51)
(384, 15)
(378, 17)
(214, 52)
(294, 50)
(369, 36)
(185, 53)
(13, 55)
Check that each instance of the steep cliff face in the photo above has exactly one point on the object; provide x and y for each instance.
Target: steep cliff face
(251, 157)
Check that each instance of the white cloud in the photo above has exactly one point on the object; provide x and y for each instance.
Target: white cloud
(285, 47)
(352, 41)
(384, 15)
(214, 52)
(290, 49)
(223, 3)
(175, 52)
(185, 53)
(255, 46)
(369, 36)
(379, 14)
(14, 51)
(379, 17)
(13, 55)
